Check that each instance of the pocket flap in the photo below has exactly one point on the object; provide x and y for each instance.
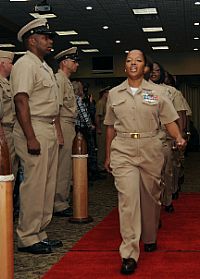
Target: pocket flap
(119, 102)
(47, 83)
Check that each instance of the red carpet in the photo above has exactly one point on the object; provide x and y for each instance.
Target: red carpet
(96, 255)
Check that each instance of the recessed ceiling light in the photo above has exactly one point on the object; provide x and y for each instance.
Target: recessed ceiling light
(66, 33)
(196, 38)
(105, 27)
(152, 29)
(145, 11)
(7, 45)
(160, 47)
(79, 42)
(126, 51)
(195, 49)
(197, 3)
(151, 40)
(117, 41)
(89, 8)
(37, 15)
(196, 23)
(90, 50)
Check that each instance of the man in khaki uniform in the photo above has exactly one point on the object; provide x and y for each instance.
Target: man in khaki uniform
(6, 59)
(100, 127)
(36, 99)
(68, 64)
(134, 155)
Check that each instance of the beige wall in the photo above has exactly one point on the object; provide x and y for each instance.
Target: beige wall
(175, 63)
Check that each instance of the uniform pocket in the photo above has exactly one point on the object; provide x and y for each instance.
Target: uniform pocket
(47, 83)
(120, 108)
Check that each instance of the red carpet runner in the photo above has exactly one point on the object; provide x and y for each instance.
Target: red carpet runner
(96, 255)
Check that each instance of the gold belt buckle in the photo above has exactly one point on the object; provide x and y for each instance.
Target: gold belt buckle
(135, 135)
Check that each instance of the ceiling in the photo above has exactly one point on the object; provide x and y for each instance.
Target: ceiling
(176, 17)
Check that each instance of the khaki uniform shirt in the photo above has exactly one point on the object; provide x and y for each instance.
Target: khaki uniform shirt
(176, 97)
(140, 113)
(35, 78)
(66, 93)
(5, 94)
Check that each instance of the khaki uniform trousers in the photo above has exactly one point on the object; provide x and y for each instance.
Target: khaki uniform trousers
(101, 144)
(8, 131)
(136, 165)
(167, 173)
(64, 174)
(37, 191)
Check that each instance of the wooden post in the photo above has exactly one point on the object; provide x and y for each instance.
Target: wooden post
(80, 181)
(6, 212)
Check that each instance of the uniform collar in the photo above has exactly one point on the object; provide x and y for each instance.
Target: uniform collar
(126, 87)
(64, 75)
(34, 57)
(3, 79)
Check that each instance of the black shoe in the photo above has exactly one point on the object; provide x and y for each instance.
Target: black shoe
(37, 248)
(128, 266)
(52, 242)
(150, 247)
(169, 208)
(68, 212)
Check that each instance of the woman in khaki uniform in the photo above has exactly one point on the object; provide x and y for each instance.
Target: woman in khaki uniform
(134, 155)
(172, 164)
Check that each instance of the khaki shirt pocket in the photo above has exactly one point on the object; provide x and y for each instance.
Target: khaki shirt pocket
(47, 83)
(49, 92)
(120, 108)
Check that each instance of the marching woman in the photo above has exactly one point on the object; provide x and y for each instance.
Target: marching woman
(134, 155)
